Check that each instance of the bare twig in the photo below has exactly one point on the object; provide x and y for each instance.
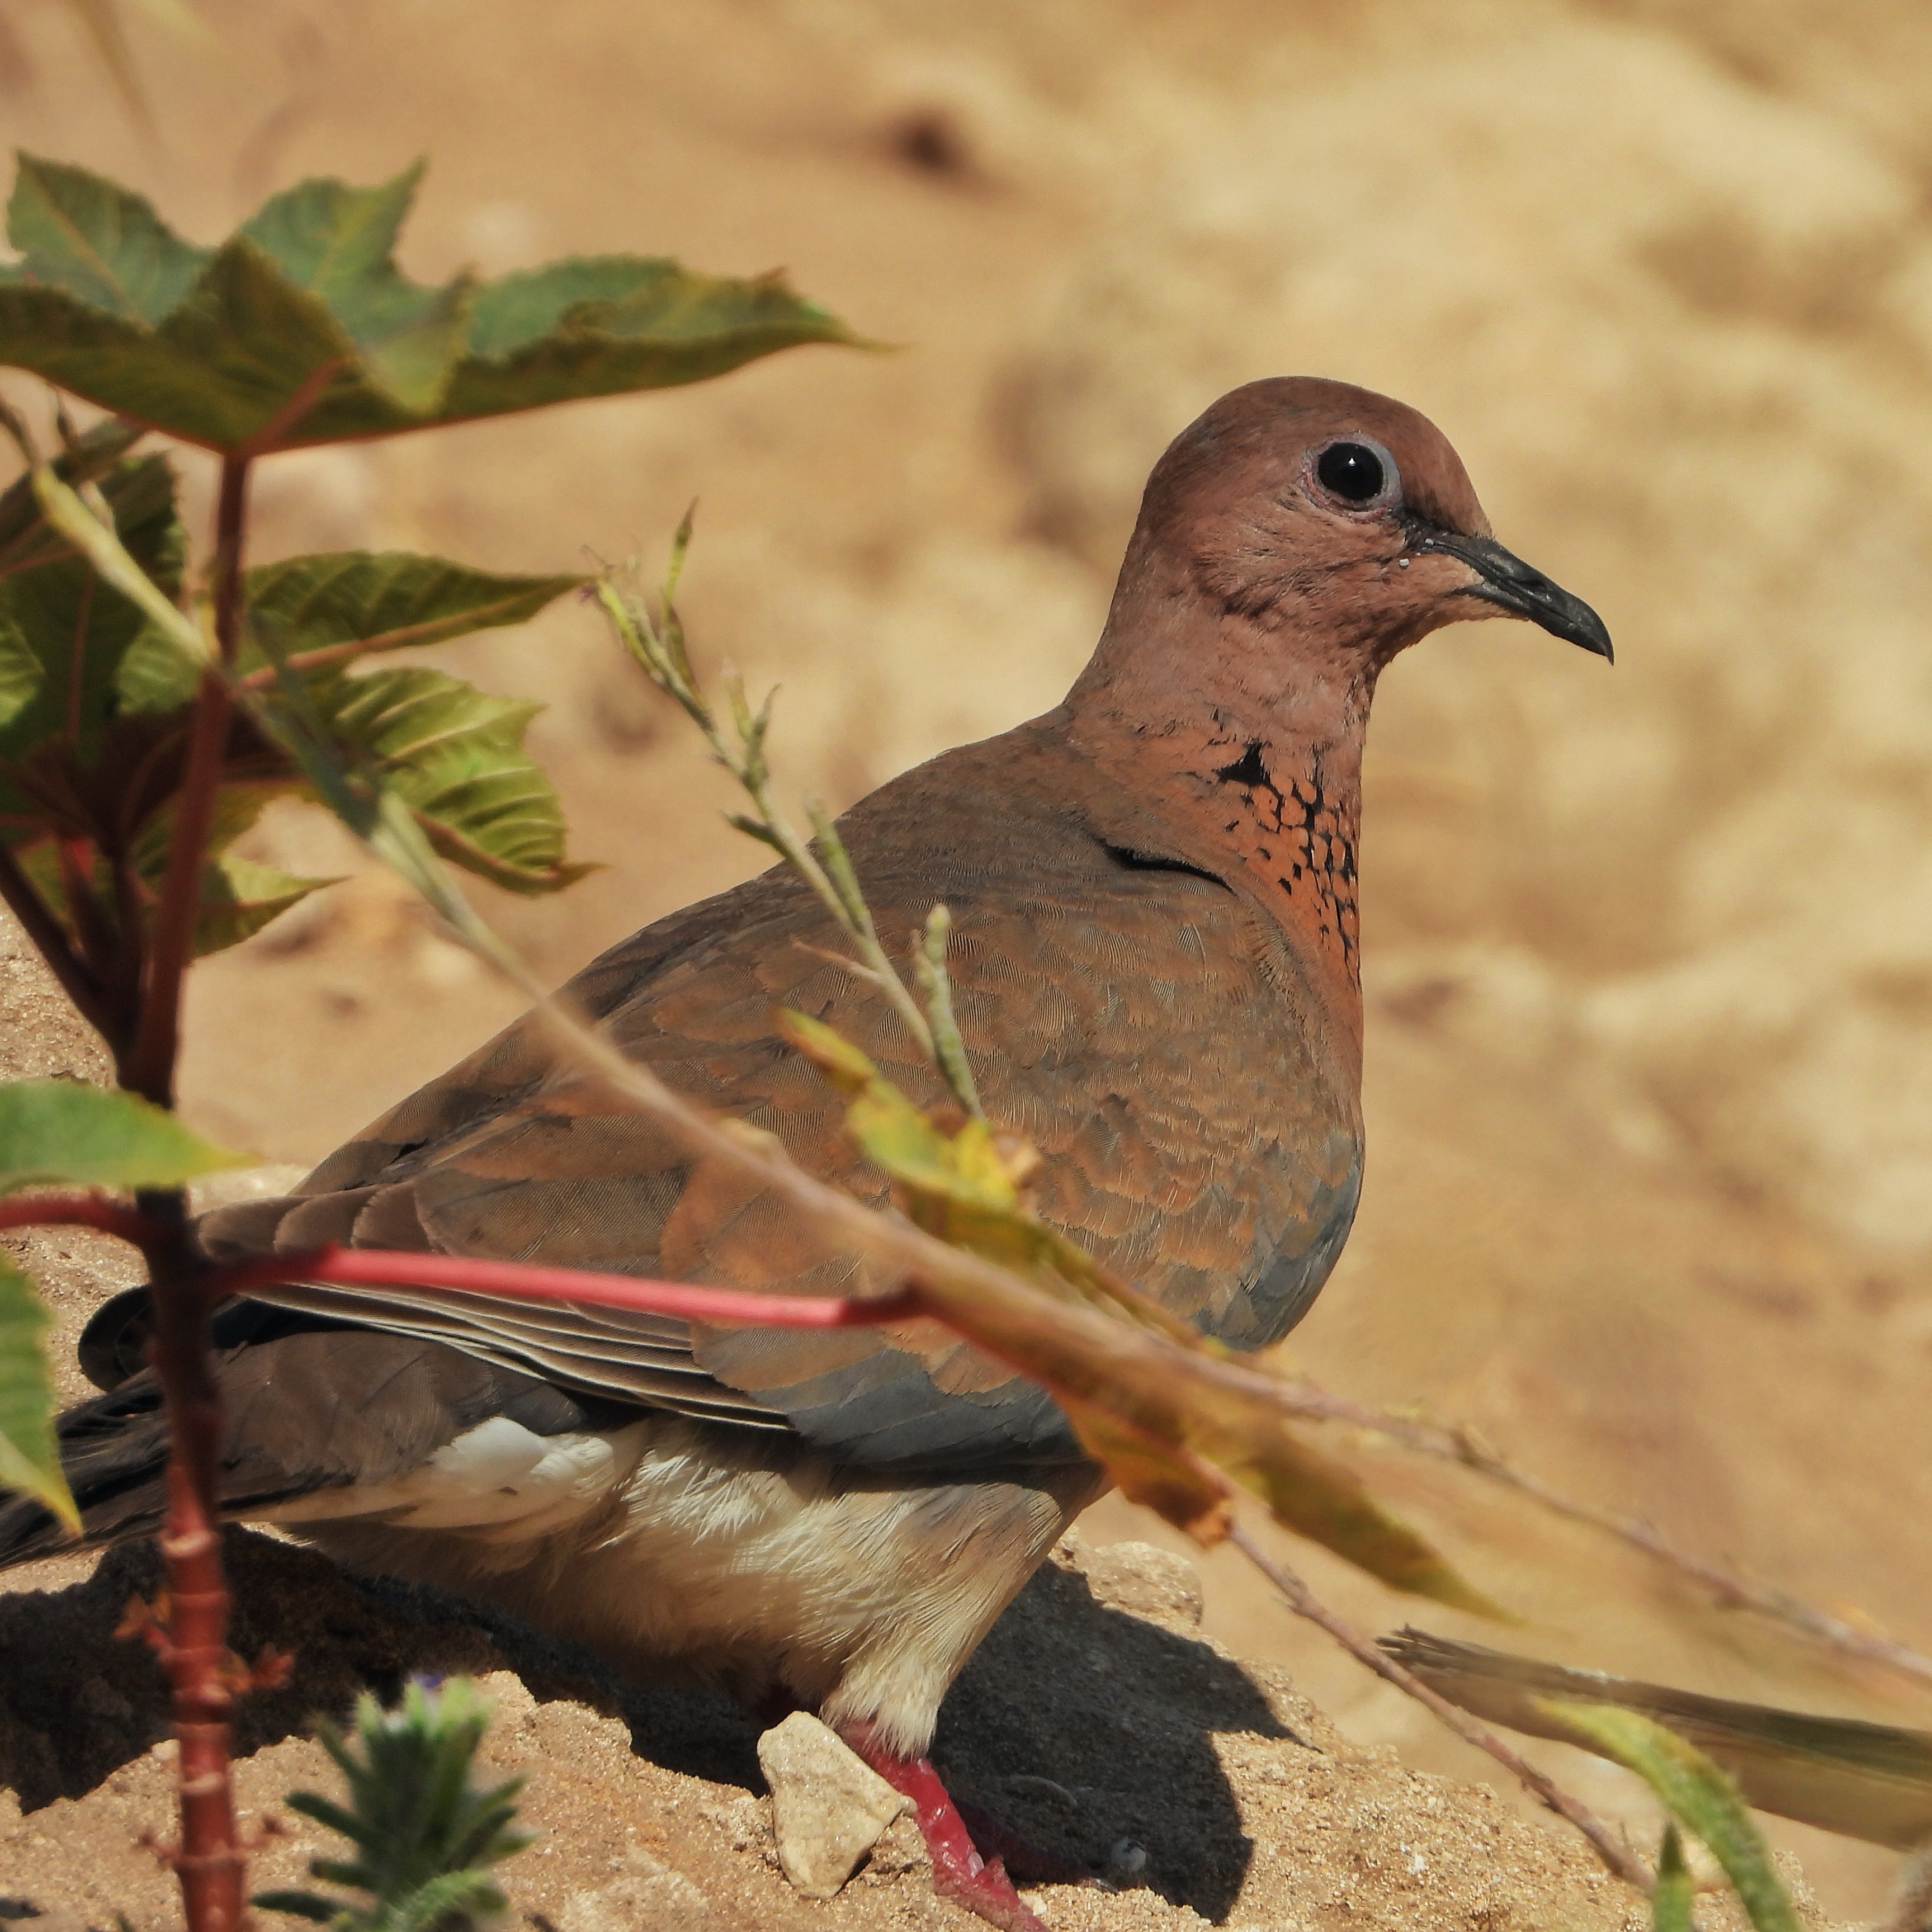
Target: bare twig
(1460, 1444)
(1615, 1855)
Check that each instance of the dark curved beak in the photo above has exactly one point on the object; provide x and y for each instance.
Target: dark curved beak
(1509, 584)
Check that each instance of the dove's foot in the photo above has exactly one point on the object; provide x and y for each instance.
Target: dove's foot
(959, 1873)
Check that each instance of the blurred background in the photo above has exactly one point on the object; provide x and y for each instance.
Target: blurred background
(1648, 951)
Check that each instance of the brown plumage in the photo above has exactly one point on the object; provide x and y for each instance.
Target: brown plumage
(1156, 967)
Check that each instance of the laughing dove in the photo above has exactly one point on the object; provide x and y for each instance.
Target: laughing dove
(1153, 888)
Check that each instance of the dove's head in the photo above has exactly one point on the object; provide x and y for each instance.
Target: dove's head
(1299, 535)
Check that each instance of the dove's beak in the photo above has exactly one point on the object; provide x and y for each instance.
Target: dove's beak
(1506, 581)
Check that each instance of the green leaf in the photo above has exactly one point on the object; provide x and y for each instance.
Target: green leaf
(155, 676)
(348, 603)
(1674, 1896)
(22, 674)
(1695, 1792)
(300, 328)
(77, 631)
(297, 1905)
(454, 756)
(239, 897)
(98, 243)
(335, 242)
(59, 1132)
(27, 539)
(611, 324)
(423, 1836)
(29, 1454)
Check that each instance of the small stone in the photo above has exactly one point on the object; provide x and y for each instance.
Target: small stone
(828, 1806)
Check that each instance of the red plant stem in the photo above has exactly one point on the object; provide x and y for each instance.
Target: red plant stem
(382, 1267)
(99, 943)
(379, 1267)
(82, 1210)
(148, 1066)
(208, 1861)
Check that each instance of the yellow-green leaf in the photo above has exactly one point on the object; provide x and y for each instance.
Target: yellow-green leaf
(1675, 1894)
(1696, 1792)
(29, 1455)
(1178, 1487)
(1155, 1401)
(239, 897)
(59, 1132)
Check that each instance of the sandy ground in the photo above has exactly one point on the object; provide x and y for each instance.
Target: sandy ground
(1097, 1720)
(1648, 956)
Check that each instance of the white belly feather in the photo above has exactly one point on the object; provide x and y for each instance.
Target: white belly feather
(741, 1556)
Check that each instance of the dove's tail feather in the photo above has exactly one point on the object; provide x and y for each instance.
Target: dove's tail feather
(1861, 1780)
(323, 1420)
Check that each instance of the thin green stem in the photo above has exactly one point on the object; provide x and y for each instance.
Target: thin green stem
(657, 644)
(935, 987)
(149, 1067)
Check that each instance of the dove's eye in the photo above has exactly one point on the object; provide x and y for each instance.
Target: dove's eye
(1351, 471)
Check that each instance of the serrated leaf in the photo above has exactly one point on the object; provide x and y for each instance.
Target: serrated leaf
(155, 676)
(1157, 1430)
(336, 242)
(300, 329)
(239, 897)
(27, 539)
(29, 1453)
(454, 756)
(59, 1132)
(606, 324)
(1696, 1793)
(105, 246)
(348, 603)
(78, 630)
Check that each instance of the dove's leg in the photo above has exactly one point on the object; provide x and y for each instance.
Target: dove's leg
(959, 1872)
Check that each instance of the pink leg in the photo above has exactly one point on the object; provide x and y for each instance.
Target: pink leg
(959, 1872)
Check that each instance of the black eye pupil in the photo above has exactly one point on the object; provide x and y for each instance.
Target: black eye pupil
(1353, 473)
